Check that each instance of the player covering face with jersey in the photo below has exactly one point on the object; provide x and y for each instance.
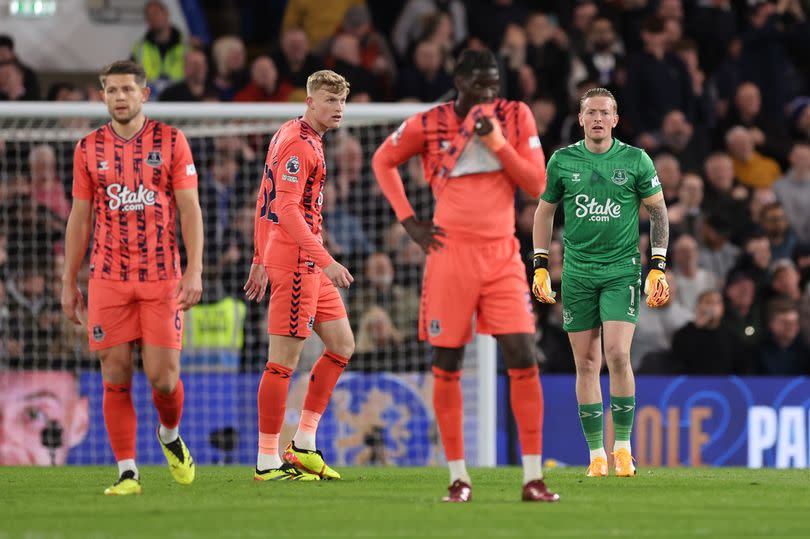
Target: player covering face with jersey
(601, 182)
(476, 152)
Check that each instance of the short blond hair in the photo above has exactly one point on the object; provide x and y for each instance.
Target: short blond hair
(329, 81)
(598, 92)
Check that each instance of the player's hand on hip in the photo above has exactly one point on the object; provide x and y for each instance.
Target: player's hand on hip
(189, 290)
(656, 288)
(424, 233)
(73, 303)
(489, 131)
(256, 284)
(339, 275)
(541, 286)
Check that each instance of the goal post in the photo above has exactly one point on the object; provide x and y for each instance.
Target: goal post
(381, 412)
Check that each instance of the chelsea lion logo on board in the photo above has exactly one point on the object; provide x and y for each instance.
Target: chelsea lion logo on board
(153, 159)
(292, 166)
(619, 176)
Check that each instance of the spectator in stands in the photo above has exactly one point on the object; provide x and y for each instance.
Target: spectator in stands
(295, 62)
(717, 253)
(767, 131)
(409, 258)
(409, 27)
(376, 332)
(318, 20)
(263, 86)
(775, 224)
(704, 114)
(548, 55)
(686, 216)
(34, 309)
(583, 14)
(64, 91)
(345, 232)
(751, 168)
(680, 139)
(546, 117)
(378, 288)
(742, 313)
(602, 55)
(793, 191)
(759, 199)
(195, 85)
(713, 24)
(783, 352)
(375, 54)
(656, 327)
(230, 71)
(33, 403)
(757, 257)
(46, 187)
(512, 57)
(785, 279)
(706, 346)
(3, 258)
(692, 279)
(722, 196)
(669, 174)
(161, 51)
(426, 79)
(12, 86)
(30, 82)
(657, 81)
(798, 113)
(348, 62)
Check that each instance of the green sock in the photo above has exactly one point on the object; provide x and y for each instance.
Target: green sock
(590, 416)
(623, 409)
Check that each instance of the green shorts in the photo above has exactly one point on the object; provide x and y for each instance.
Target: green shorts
(592, 294)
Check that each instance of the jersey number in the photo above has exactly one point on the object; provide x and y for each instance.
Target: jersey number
(268, 198)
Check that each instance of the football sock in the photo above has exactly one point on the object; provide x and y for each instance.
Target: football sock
(526, 399)
(322, 380)
(590, 417)
(170, 408)
(622, 409)
(272, 404)
(127, 464)
(532, 467)
(307, 427)
(600, 452)
(458, 470)
(448, 405)
(119, 417)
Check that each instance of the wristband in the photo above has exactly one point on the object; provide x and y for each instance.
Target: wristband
(658, 262)
(540, 260)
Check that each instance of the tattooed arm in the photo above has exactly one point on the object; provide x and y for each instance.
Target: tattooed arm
(659, 222)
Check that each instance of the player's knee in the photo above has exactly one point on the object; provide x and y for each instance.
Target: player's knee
(448, 359)
(588, 366)
(617, 357)
(343, 346)
(163, 381)
(519, 353)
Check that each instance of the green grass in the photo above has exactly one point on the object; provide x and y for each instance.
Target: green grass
(42, 503)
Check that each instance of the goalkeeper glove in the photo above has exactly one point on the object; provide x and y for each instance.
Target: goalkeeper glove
(542, 282)
(656, 286)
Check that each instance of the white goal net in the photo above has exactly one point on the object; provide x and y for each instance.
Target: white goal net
(381, 412)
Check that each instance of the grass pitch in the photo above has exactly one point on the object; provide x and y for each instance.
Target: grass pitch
(56, 503)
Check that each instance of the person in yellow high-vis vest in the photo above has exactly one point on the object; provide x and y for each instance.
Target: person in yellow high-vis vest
(161, 51)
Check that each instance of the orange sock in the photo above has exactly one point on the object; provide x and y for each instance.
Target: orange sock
(322, 380)
(273, 398)
(448, 405)
(119, 417)
(169, 405)
(526, 398)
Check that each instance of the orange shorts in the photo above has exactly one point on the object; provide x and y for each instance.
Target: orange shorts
(299, 300)
(485, 280)
(125, 311)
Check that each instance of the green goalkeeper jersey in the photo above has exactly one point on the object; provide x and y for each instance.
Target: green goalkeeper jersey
(600, 196)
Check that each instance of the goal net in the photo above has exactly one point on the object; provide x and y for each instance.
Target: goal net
(381, 412)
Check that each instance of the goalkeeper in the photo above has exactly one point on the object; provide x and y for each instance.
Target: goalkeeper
(601, 183)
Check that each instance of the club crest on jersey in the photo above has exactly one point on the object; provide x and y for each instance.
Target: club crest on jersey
(619, 176)
(292, 166)
(103, 165)
(575, 177)
(98, 333)
(395, 136)
(153, 159)
(435, 328)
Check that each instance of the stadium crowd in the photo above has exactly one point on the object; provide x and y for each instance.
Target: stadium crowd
(716, 91)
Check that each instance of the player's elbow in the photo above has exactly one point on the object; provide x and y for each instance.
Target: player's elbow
(380, 163)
